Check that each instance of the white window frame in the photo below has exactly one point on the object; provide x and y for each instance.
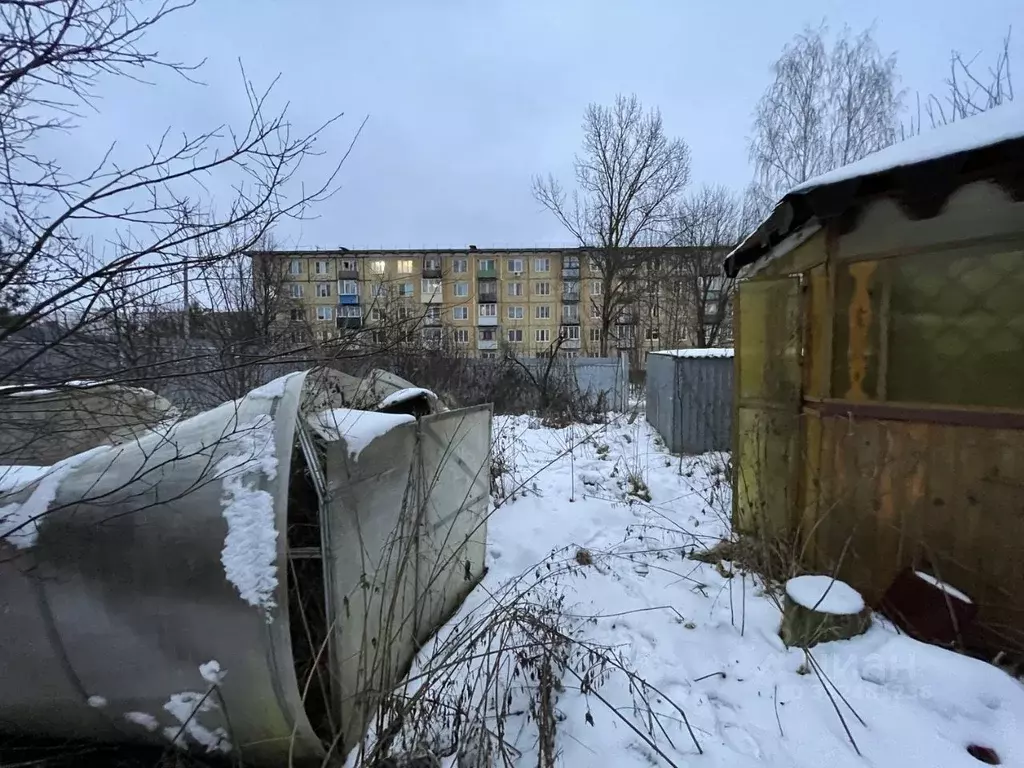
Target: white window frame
(542, 312)
(430, 285)
(595, 312)
(297, 314)
(596, 287)
(542, 264)
(462, 335)
(379, 290)
(460, 289)
(376, 314)
(348, 287)
(460, 313)
(652, 334)
(491, 330)
(460, 266)
(486, 265)
(542, 336)
(487, 310)
(323, 290)
(295, 290)
(295, 267)
(516, 312)
(378, 266)
(516, 266)
(322, 267)
(515, 335)
(349, 311)
(572, 332)
(407, 290)
(324, 314)
(349, 265)
(431, 262)
(515, 289)
(545, 285)
(595, 335)
(404, 266)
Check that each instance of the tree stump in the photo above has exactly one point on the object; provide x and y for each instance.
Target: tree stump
(818, 609)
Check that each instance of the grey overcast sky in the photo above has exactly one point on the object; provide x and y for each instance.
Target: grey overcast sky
(467, 99)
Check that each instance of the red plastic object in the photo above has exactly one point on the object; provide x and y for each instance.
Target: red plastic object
(926, 611)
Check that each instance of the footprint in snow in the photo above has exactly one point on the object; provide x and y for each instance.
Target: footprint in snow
(741, 741)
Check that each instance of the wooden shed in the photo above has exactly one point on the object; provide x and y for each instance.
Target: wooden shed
(880, 369)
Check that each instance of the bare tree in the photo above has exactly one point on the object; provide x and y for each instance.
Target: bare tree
(968, 92)
(628, 177)
(826, 107)
(154, 214)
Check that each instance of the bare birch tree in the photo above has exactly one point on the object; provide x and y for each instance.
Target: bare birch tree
(628, 178)
(826, 107)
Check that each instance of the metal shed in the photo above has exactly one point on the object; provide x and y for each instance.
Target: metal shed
(689, 398)
(248, 580)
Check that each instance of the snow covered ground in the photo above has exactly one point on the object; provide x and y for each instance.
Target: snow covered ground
(666, 653)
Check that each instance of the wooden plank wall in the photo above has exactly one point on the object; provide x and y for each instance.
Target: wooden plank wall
(946, 498)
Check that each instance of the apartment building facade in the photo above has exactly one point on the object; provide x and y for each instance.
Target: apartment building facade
(480, 301)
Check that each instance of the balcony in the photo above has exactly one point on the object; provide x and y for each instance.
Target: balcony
(570, 297)
(570, 320)
(624, 342)
(431, 270)
(347, 274)
(350, 323)
(626, 318)
(348, 299)
(568, 343)
(487, 274)
(488, 344)
(432, 296)
(571, 273)
(432, 320)
(487, 298)
(486, 322)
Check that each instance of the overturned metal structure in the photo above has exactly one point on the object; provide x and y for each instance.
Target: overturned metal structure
(247, 580)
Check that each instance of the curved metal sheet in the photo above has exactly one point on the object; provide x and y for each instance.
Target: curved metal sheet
(111, 607)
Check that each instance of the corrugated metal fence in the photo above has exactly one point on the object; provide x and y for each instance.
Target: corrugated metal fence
(605, 376)
(689, 398)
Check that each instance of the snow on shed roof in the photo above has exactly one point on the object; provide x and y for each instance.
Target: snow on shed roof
(1001, 123)
(696, 352)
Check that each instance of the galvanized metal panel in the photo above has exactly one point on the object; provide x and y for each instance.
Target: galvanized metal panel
(454, 480)
(690, 401)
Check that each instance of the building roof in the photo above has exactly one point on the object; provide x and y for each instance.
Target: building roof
(926, 169)
(471, 250)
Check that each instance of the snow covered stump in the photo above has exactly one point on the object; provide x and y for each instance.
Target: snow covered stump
(818, 609)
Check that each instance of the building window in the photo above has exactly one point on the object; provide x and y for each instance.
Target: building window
(542, 312)
(324, 314)
(515, 335)
(431, 262)
(515, 266)
(594, 263)
(377, 266)
(376, 314)
(488, 310)
(404, 266)
(431, 285)
(486, 265)
(460, 313)
(655, 312)
(515, 313)
(572, 332)
(462, 336)
(433, 314)
(595, 334)
(350, 311)
(460, 290)
(295, 267)
(296, 290)
(624, 332)
(348, 288)
(297, 314)
(321, 267)
(570, 262)
(515, 289)
(323, 290)
(542, 265)
(487, 334)
(542, 289)
(595, 312)
(380, 337)
(349, 265)
(596, 288)
(406, 290)
(542, 335)
(651, 334)
(571, 313)
(432, 335)
(460, 266)
(379, 290)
